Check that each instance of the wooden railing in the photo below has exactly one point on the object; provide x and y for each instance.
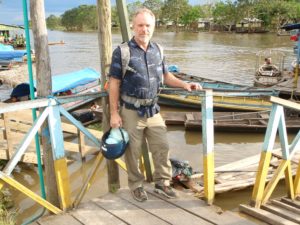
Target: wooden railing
(52, 112)
(262, 192)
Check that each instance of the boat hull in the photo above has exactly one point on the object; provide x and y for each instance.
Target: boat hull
(220, 103)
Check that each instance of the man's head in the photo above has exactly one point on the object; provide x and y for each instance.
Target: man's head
(143, 26)
(268, 60)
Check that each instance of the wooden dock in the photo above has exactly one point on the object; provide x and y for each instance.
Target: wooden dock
(15, 125)
(121, 208)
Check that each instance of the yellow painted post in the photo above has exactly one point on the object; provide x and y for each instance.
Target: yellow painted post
(208, 145)
(63, 184)
(121, 164)
(209, 179)
(297, 183)
(266, 155)
(289, 181)
(274, 181)
(60, 163)
(260, 181)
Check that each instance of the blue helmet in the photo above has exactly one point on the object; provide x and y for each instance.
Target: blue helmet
(114, 143)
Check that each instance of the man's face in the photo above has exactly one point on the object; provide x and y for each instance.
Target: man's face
(143, 27)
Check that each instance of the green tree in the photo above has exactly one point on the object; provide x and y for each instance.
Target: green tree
(80, 18)
(246, 8)
(133, 7)
(225, 14)
(53, 22)
(173, 10)
(191, 16)
(114, 16)
(155, 6)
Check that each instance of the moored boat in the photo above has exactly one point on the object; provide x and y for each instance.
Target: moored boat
(222, 100)
(269, 68)
(231, 121)
(82, 81)
(214, 84)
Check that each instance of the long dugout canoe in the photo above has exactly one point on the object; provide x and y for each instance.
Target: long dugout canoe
(222, 100)
(230, 121)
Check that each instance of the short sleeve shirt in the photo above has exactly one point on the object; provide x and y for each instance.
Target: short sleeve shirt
(144, 78)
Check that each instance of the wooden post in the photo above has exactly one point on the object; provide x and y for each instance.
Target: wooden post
(44, 89)
(208, 146)
(60, 161)
(265, 157)
(105, 48)
(123, 17)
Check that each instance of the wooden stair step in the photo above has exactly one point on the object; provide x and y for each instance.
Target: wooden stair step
(265, 216)
(282, 212)
(291, 202)
(286, 206)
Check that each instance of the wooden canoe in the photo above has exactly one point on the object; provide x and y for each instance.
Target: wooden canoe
(223, 101)
(230, 121)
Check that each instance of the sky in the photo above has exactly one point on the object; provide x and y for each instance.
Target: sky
(11, 11)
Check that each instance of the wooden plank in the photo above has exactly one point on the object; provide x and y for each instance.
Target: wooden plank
(285, 103)
(91, 214)
(63, 219)
(189, 116)
(265, 216)
(291, 202)
(201, 209)
(284, 213)
(240, 163)
(126, 211)
(286, 206)
(163, 209)
(173, 118)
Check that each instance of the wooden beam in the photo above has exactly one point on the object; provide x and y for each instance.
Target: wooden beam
(265, 216)
(208, 146)
(285, 103)
(124, 21)
(30, 193)
(44, 89)
(38, 103)
(259, 186)
(105, 48)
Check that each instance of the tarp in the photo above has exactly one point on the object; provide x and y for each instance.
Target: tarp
(6, 47)
(11, 55)
(65, 82)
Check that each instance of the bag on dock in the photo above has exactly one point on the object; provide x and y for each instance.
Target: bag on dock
(181, 170)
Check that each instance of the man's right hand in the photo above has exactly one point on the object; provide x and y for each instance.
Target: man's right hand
(115, 120)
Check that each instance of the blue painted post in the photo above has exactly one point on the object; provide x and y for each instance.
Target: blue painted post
(208, 146)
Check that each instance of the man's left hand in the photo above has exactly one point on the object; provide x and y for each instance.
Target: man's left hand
(192, 86)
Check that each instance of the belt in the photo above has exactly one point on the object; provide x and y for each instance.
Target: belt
(137, 102)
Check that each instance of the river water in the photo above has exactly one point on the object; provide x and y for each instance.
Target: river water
(228, 57)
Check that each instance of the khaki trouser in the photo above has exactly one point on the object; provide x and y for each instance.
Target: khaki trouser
(155, 132)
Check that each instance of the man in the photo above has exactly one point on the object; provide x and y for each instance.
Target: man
(136, 91)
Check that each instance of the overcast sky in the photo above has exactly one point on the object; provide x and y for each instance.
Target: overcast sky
(11, 11)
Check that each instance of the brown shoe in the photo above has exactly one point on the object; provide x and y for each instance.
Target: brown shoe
(166, 191)
(139, 194)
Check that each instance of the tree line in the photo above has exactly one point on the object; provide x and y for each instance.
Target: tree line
(224, 14)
